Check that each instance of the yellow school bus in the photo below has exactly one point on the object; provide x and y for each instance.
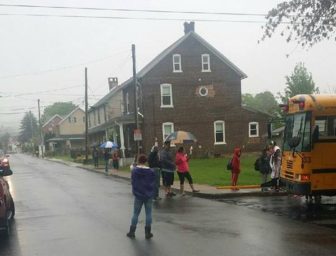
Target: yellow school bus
(308, 164)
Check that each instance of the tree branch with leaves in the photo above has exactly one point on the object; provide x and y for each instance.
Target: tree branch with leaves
(304, 21)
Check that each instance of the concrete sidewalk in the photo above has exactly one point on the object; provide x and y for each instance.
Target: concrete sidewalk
(206, 191)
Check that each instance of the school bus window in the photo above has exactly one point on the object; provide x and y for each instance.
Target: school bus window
(306, 143)
(327, 127)
(298, 125)
(321, 126)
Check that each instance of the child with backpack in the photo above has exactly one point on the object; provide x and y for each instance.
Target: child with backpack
(235, 171)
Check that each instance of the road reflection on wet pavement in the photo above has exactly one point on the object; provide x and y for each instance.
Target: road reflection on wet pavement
(293, 207)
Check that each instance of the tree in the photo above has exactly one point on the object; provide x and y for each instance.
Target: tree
(306, 22)
(4, 140)
(29, 128)
(60, 108)
(264, 101)
(299, 82)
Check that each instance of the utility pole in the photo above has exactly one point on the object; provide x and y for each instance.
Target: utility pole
(135, 101)
(40, 128)
(86, 117)
(32, 132)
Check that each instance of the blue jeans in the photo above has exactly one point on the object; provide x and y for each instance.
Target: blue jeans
(137, 209)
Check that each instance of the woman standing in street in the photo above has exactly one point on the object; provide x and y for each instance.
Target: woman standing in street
(143, 186)
(181, 161)
(235, 168)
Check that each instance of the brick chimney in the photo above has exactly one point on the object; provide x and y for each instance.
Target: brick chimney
(113, 82)
(189, 27)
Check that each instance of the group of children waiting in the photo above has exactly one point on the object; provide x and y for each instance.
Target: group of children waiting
(269, 163)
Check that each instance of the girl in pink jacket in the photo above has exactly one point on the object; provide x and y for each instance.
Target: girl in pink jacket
(181, 161)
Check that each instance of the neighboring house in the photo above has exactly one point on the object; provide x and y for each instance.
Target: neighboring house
(102, 116)
(69, 132)
(190, 86)
(50, 127)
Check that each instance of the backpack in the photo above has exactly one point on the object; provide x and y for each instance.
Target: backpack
(257, 164)
(229, 165)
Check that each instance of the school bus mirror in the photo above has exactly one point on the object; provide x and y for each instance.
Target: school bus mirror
(294, 142)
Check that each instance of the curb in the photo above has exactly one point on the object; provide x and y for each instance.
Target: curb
(236, 194)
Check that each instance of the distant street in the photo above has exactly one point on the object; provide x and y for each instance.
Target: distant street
(62, 210)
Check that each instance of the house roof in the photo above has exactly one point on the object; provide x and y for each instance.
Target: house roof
(66, 137)
(256, 111)
(108, 95)
(52, 118)
(166, 52)
(71, 113)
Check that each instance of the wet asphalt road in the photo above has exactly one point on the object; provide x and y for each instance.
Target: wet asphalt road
(62, 210)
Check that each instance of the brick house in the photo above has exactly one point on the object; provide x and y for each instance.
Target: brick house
(191, 86)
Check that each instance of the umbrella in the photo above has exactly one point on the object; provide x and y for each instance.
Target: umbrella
(109, 144)
(181, 137)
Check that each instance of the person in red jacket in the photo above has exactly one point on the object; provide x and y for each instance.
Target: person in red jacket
(235, 168)
(181, 161)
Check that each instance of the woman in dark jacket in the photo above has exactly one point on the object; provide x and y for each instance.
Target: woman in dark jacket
(143, 186)
(154, 163)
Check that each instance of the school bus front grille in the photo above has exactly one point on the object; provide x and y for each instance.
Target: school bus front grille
(289, 164)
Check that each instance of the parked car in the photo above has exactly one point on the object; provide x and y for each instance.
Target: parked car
(7, 208)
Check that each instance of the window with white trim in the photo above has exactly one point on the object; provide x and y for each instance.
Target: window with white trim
(219, 132)
(206, 63)
(166, 96)
(177, 66)
(253, 129)
(75, 119)
(167, 128)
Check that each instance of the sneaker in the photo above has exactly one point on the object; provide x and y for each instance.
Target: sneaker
(157, 198)
(183, 194)
(196, 191)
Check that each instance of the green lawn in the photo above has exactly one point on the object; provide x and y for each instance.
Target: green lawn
(212, 171)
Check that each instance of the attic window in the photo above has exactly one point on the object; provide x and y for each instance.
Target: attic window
(177, 67)
(203, 91)
(206, 63)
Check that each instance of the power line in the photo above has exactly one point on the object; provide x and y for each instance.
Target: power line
(62, 68)
(38, 92)
(133, 10)
(131, 18)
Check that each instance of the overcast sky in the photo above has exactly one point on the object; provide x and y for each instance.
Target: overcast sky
(44, 57)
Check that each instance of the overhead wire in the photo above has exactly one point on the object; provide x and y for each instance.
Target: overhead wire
(64, 67)
(130, 18)
(133, 10)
